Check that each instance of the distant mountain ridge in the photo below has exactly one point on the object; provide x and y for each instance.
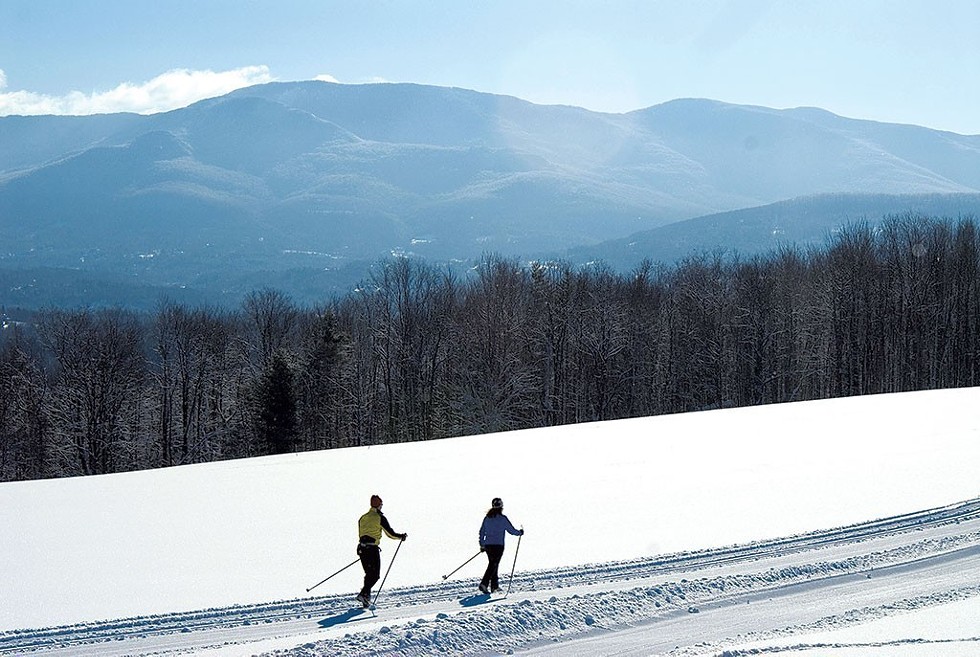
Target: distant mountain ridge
(802, 222)
(275, 180)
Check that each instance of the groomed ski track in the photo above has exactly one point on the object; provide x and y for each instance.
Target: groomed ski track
(679, 603)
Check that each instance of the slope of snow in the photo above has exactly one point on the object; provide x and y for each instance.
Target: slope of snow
(260, 530)
(951, 630)
(697, 603)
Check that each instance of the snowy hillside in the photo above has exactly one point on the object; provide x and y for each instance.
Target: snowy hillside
(665, 498)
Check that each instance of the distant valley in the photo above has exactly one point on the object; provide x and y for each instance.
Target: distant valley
(302, 186)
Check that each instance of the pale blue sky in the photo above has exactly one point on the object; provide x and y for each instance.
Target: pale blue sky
(901, 61)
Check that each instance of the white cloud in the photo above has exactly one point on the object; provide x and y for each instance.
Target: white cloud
(326, 77)
(173, 89)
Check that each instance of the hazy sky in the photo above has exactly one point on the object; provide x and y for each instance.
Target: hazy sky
(906, 61)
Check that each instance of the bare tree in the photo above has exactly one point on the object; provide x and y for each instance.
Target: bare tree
(99, 371)
(413, 308)
(23, 398)
(272, 318)
(321, 382)
(494, 386)
(194, 353)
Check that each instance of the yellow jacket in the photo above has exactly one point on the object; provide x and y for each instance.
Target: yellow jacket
(371, 524)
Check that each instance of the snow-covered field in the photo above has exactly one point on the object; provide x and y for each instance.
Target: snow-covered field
(629, 546)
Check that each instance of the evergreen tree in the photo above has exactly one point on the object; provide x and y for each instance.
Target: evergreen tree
(277, 429)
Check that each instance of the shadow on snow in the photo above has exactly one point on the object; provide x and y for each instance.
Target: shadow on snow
(347, 616)
(477, 599)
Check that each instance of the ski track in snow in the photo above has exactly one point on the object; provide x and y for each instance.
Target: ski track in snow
(570, 610)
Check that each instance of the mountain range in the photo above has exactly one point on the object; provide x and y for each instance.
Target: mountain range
(303, 185)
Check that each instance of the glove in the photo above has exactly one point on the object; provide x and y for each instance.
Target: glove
(483, 548)
(403, 536)
(522, 533)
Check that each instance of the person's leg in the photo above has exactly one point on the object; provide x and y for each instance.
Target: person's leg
(371, 562)
(494, 554)
(485, 581)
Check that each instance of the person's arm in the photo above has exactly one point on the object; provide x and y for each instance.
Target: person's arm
(389, 531)
(510, 528)
(483, 534)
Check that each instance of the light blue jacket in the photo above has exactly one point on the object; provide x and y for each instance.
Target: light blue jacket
(492, 530)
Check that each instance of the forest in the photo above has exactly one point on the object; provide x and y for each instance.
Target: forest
(419, 351)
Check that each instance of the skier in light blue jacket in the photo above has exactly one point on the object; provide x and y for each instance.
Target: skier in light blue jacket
(492, 542)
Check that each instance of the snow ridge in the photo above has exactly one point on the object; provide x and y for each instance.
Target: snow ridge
(559, 604)
(529, 622)
(856, 616)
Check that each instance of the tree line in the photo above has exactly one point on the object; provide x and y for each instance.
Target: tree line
(420, 351)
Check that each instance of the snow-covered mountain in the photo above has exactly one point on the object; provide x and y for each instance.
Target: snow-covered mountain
(253, 187)
(846, 524)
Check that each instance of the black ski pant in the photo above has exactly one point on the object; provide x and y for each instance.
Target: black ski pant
(494, 554)
(371, 562)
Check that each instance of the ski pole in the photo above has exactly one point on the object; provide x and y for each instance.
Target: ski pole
(516, 550)
(375, 601)
(463, 564)
(336, 573)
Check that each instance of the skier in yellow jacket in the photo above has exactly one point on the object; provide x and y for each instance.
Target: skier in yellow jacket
(369, 527)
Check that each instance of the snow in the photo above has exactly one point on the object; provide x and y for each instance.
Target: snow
(950, 630)
(250, 532)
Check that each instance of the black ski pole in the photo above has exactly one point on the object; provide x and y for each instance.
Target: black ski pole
(462, 564)
(516, 550)
(386, 573)
(336, 573)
